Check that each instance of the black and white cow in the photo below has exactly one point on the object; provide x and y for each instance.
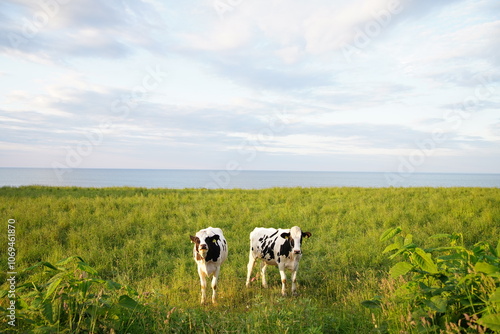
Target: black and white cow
(210, 251)
(276, 247)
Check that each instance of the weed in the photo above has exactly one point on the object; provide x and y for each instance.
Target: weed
(443, 288)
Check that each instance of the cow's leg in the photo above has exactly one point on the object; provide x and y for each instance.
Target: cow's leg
(294, 280)
(203, 282)
(263, 267)
(214, 284)
(281, 268)
(251, 263)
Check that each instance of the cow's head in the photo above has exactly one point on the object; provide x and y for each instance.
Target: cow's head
(203, 242)
(294, 237)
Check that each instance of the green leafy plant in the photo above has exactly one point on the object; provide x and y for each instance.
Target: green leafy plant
(443, 287)
(69, 297)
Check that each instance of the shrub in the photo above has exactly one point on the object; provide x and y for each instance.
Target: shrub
(69, 297)
(449, 288)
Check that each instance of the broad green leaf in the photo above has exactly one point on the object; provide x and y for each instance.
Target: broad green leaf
(399, 240)
(68, 260)
(32, 267)
(495, 296)
(466, 279)
(85, 267)
(491, 321)
(390, 248)
(388, 234)
(452, 257)
(498, 249)
(408, 240)
(98, 280)
(371, 304)
(84, 286)
(113, 285)
(127, 302)
(43, 263)
(52, 287)
(424, 261)
(47, 311)
(440, 303)
(49, 265)
(400, 268)
(447, 248)
(402, 250)
(21, 304)
(486, 268)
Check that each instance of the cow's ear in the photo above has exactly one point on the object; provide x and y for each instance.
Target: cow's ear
(195, 240)
(306, 234)
(285, 235)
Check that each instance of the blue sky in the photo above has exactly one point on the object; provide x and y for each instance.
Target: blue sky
(364, 85)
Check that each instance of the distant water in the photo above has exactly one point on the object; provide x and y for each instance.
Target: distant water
(179, 179)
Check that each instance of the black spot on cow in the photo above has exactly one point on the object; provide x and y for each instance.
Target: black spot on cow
(213, 248)
(268, 253)
(268, 248)
(286, 248)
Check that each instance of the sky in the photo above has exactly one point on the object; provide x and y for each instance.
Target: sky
(397, 86)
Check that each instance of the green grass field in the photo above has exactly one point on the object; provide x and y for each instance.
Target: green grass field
(140, 238)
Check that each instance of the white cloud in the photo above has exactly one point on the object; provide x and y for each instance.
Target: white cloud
(53, 32)
(230, 79)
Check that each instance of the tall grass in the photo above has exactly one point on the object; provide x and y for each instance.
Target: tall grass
(140, 237)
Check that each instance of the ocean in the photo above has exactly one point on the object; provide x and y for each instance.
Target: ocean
(222, 179)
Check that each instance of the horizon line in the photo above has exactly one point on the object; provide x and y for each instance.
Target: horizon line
(254, 170)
